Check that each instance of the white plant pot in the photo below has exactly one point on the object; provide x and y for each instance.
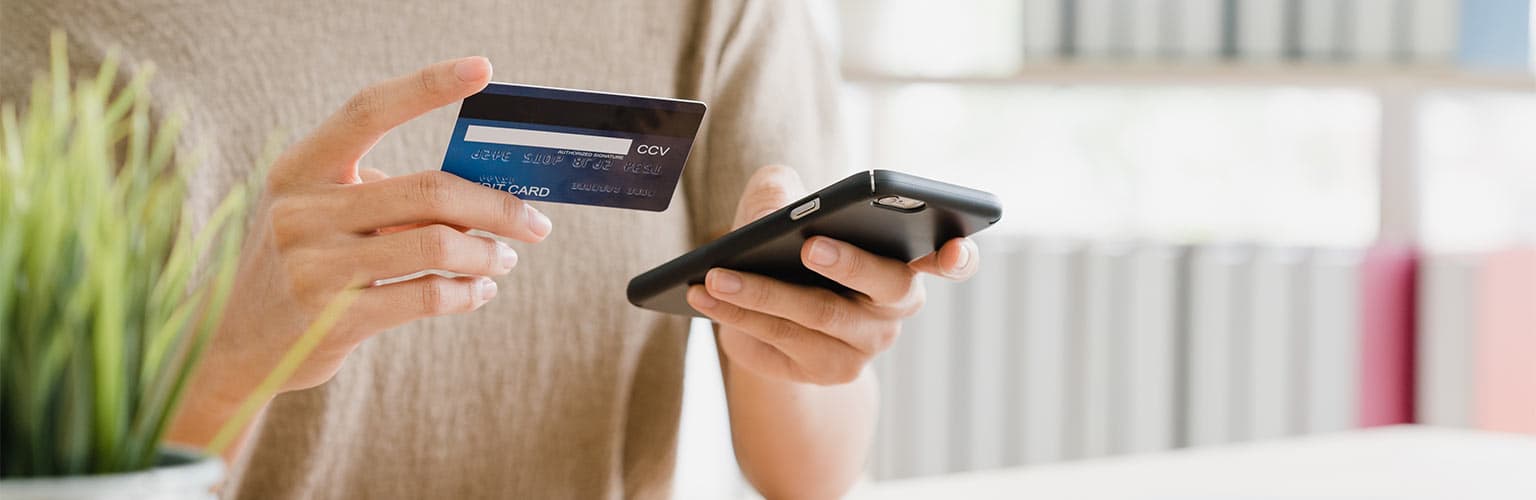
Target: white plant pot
(181, 475)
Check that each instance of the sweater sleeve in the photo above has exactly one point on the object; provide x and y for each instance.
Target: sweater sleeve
(771, 84)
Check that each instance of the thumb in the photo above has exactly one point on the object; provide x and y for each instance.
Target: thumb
(769, 189)
(371, 174)
(332, 151)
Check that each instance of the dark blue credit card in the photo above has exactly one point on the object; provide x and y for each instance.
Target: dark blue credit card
(574, 146)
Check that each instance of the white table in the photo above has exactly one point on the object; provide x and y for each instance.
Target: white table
(1406, 462)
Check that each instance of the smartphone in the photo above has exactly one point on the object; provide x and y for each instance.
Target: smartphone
(887, 213)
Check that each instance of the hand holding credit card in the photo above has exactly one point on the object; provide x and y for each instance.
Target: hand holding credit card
(574, 146)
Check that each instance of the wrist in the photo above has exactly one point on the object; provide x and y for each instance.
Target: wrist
(214, 392)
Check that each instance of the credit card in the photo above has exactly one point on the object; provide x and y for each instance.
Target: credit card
(574, 146)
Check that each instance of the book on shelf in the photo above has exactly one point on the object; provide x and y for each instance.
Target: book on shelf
(1046, 311)
(1042, 26)
(1372, 31)
(986, 373)
(1448, 298)
(1495, 35)
(1386, 335)
(1216, 346)
(1146, 22)
(1506, 343)
(1330, 354)
(1320, 30)
(1150, 351)
(1274, 325)
(1001, 38)
(1261, 30)
(925, 403)
(1200, 30)
(1101, 325)
(1433, 27)
(1095, 35)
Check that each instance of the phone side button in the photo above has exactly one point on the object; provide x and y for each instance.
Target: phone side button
(805, 209)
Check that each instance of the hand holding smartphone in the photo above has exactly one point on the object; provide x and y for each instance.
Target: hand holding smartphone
(895, 215)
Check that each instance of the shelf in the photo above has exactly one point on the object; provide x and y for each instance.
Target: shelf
(1227, 75)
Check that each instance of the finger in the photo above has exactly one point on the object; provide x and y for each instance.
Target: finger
(371, 174)
(769, 189)
(887, 282)
(814, 308)
(756, 355)
(332, 151)
(408, 227)
(958, 259)
(439, 197)
(395, 304)
(821, 357)
(374, 175)
(434, 247)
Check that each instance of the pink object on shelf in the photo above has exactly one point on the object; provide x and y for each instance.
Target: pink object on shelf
(1506, 343)
(1386, 335)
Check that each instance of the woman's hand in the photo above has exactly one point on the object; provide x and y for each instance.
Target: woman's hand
(323, 226)
(808, 334)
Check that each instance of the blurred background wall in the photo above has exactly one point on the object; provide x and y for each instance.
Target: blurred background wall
(1226, 220)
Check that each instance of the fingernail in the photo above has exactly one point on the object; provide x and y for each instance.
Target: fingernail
(485, 288)
(965, 257)
(471, 69)
(703, 300)
(506, 257)
(724, 281)
(537, 221)
(823, 253)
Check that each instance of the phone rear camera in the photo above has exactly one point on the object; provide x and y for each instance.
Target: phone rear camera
(900, 203)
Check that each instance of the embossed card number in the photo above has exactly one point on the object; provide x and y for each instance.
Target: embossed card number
(573, 146)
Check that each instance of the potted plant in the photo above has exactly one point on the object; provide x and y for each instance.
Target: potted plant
(107, 293)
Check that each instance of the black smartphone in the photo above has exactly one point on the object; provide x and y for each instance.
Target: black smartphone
(887, 213)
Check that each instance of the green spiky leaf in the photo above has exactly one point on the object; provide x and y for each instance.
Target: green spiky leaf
(107, 292)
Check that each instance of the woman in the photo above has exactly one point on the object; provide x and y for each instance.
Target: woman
(538, 383)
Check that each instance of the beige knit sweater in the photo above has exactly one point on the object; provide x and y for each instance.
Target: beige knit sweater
(558, 388)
